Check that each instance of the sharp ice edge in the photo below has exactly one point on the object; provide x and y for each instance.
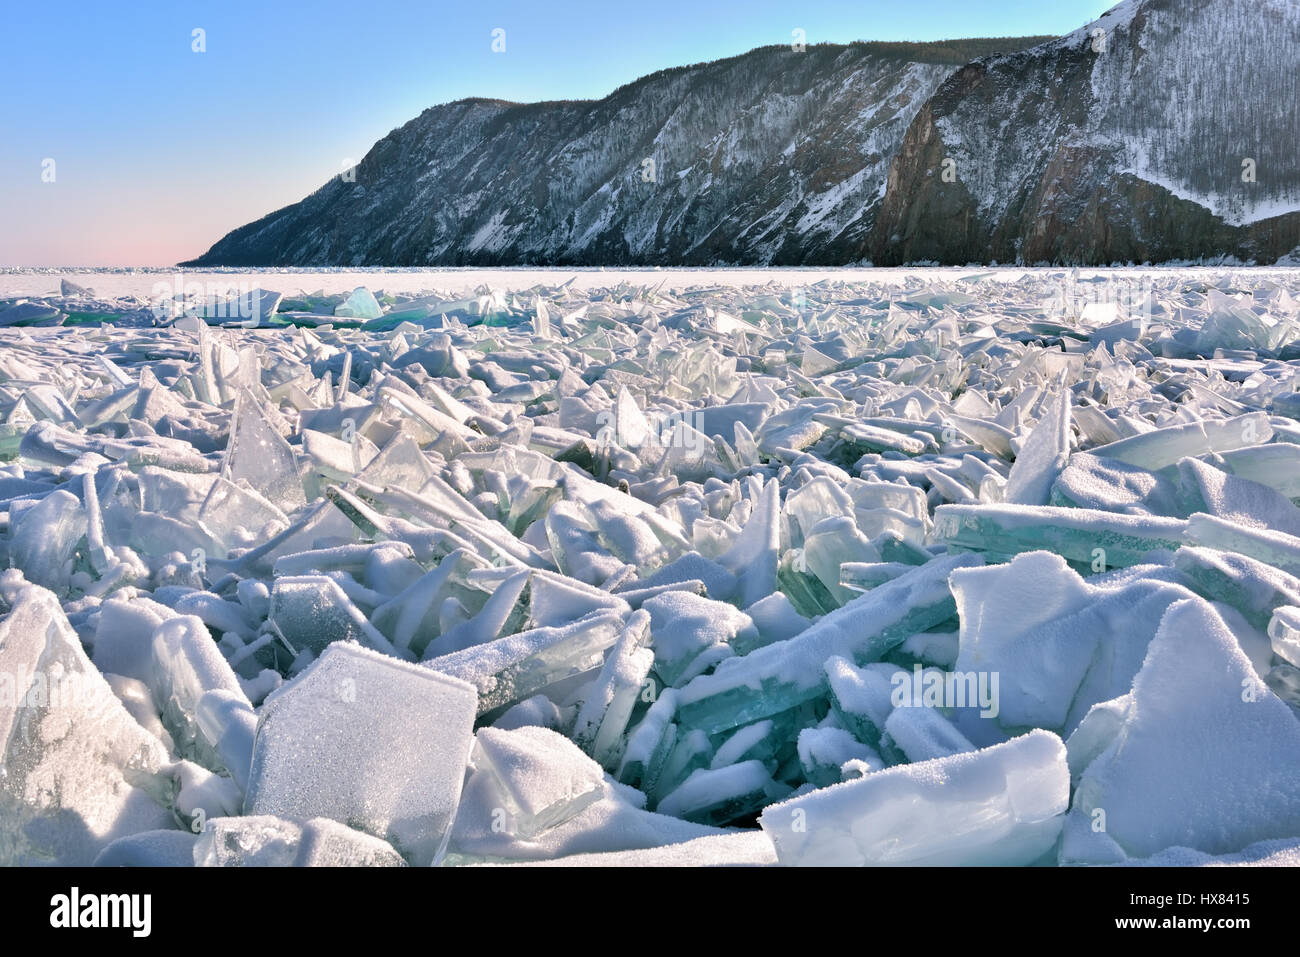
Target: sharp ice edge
(936, 569)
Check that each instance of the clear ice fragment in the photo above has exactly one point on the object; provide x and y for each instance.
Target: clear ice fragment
(337, 742)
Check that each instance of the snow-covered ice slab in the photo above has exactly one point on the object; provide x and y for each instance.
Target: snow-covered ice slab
(1077, 644)
(1000, 806)
(1206, 757)
(1280, 853)
(738, 849)
(542, 777)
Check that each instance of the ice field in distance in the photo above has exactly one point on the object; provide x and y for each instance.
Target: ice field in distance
(650, 567)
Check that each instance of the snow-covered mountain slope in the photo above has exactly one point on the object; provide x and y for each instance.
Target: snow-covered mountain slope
(1165, 130)
(773, 157)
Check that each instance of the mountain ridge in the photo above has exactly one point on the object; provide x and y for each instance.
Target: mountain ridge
(835, 155)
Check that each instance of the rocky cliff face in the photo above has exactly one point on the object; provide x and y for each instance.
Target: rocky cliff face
(1166, 130)
(773, 157)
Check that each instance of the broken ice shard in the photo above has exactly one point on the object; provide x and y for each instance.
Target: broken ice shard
(258, 455)
(862, 698)
(1042, 457)
(1284, 631)
(1276, 548)
(1156, 449)
(186, 665)
(45, 536)
(1078, 534)
(719, 796)
(79, 771)
(312, 612)
(692, 633)
(251, 309)
(1077, 643)
(360, 305)
(823, 753)
(610, 699)
(337, 742)
(1252, 587)
(513, 668)
(781, 675)
(923, 734)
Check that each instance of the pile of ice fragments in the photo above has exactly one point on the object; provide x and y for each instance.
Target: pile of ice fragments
(947, 572)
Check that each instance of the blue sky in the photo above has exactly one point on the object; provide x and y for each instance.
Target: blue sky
(158, 150)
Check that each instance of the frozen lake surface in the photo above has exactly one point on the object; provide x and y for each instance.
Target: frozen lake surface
(116, 283)
(950, 566)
